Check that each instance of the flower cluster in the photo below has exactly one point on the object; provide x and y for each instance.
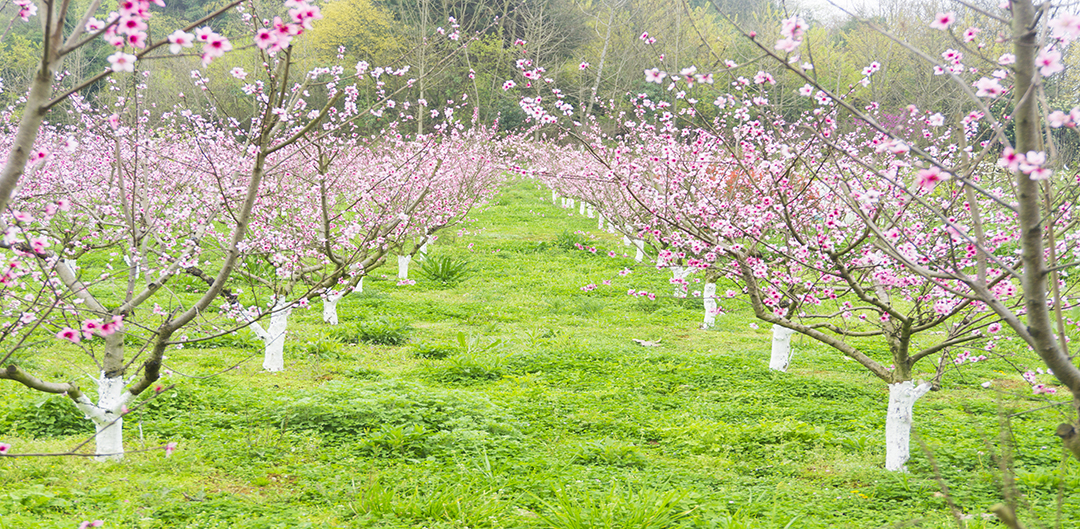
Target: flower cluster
(91, 328)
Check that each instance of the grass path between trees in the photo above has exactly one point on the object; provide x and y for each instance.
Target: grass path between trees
(518, 399)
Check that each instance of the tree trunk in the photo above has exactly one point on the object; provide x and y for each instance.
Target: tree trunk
(680, 272)
(403, 266)
(781, 348)
(902, 397)
(274, 336)
(709, 299)
(107, 417)
(329, 307)
(640, 245)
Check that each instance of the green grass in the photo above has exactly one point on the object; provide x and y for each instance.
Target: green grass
(519, 400)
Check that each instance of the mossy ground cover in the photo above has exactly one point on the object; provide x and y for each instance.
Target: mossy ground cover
(510, 397)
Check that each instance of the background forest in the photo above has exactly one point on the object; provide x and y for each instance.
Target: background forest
(581, 46)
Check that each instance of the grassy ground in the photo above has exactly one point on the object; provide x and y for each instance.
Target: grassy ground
(520, 400)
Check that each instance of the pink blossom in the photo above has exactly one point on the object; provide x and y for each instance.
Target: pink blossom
(926, 179)
(170, 448)
(1065, 27)
(39, 244)
(655, 75)
(583, 66)
(971, 33)
(1007, 59)
(994, 328)
(4, 449)
(238, 73)
(265, 38)
(1010, 159)
(1058, 119)
(787, 45)
(122, 62)
(508, 84)
(1049, 62)
(988, 87)
(69, 334)
(942, 21)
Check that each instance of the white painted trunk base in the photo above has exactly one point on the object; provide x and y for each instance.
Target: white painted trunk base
(554, 196)
(107, 416)
(570, 203)
(403, 266)
(423, 248)
(581, 208)
(329, 307)
(590, 212)
(898, 419)
(626, 240)
(781, 348)
(274, 336)
(599, 222)
(680, 272)
(708, 296)
(640, 255)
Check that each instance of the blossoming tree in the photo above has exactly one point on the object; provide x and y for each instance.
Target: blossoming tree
(150, 195)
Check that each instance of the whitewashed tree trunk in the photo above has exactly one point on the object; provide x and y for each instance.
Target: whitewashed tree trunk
(781, 348)
(581, 208)
(570, 203)
(709, 299)
(138, 270)
(554, 196)
(107, 416)
(640, 245)
(329, 307)
(680, 272)
(423, 248)
(590, 212)
(360, 286)
(599, 222)
(274, 336)
(72, 265)
(902, 397)
(626, 240)
(403, 266)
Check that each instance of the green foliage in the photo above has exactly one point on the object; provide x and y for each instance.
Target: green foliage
(409, 441)
(609, 452)
(342, 412)
(433, 351)
(242, 339)
(615, 509)
(44, 416)
(444, 270)
(379, 331)
(468, 369)
(464, 506)
(568, 240)
(322, 349)
(480, 360)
